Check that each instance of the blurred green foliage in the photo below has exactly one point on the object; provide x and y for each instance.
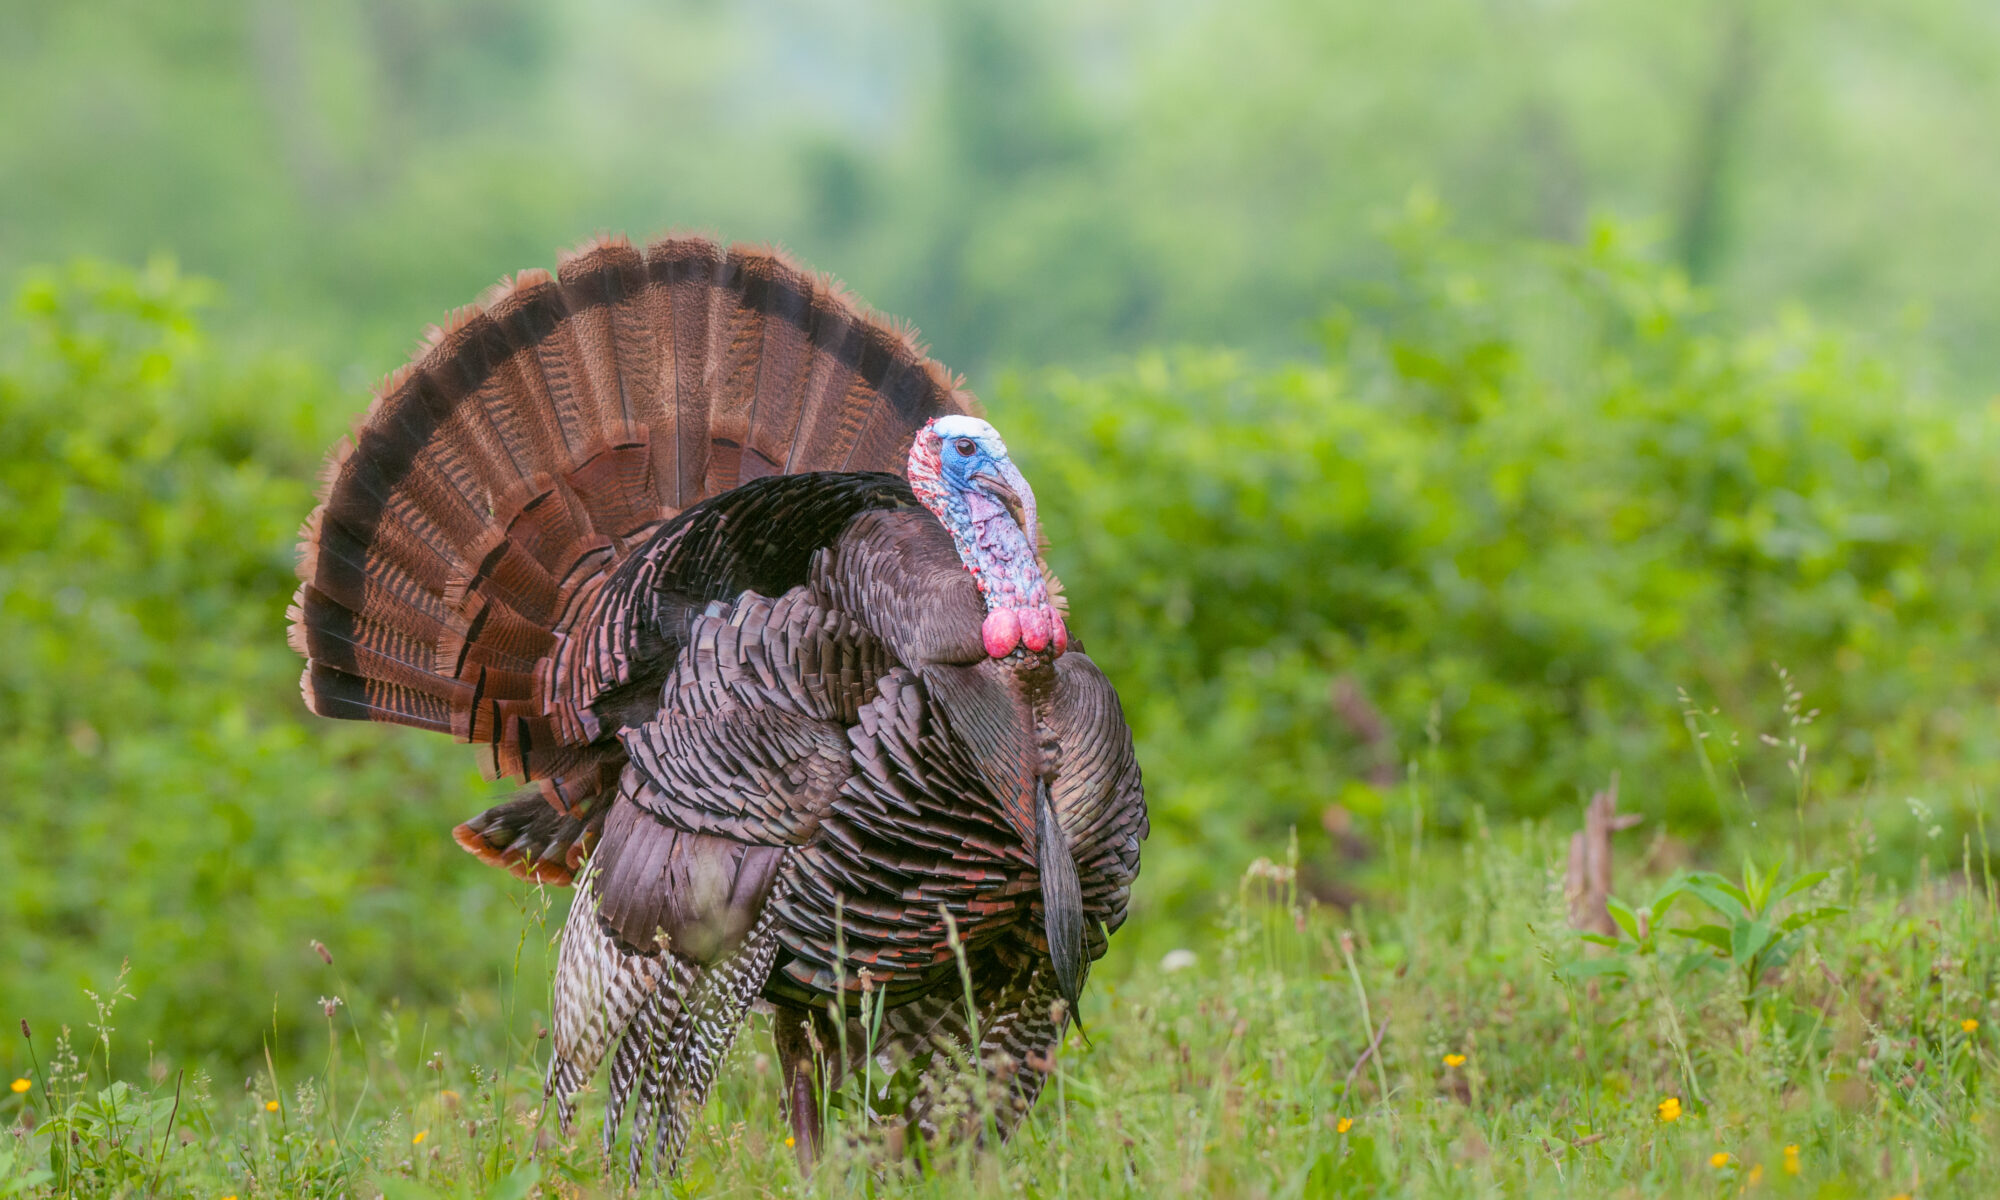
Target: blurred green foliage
(161, 795)
(1463, 560)
(1028, 180)
(1533, 495)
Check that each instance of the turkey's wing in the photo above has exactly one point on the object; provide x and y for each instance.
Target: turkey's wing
(897, 573)
(742, 759)
(750, 741)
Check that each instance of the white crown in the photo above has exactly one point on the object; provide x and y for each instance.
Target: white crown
(957, 426)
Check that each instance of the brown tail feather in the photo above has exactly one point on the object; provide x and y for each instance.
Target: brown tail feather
(540, 436)
(545, 833)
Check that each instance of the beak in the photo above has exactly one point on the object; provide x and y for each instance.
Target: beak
(1004, 482)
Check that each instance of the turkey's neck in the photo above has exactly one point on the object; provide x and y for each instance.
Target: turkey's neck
(997, 552)
(1001, 559)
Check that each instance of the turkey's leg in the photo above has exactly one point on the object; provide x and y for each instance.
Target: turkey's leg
(1021, 1026)
(801, 1038)
(1018, 1049)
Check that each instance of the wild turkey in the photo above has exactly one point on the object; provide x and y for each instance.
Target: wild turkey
(731, 572)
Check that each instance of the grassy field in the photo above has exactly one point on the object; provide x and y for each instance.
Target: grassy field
(1844, 1053)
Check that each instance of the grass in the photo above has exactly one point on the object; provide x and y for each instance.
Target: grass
(1512, 1057)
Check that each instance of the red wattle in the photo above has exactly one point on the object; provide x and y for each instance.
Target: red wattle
(1035, 629)
(1062, 634)
(1001, 632)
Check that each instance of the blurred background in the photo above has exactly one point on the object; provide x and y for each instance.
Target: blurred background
(1436, 407)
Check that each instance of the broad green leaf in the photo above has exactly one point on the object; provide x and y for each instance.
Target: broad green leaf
(1623, 916)
(1713, 891)
(1713, 935)
(1736, 893)
(1747, 939)
(1807, 881)
(1664, 900)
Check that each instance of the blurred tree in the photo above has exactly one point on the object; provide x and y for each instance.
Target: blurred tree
(1716, 142)
(1031, 182)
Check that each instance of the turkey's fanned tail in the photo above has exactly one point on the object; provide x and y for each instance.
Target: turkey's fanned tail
(542, 434)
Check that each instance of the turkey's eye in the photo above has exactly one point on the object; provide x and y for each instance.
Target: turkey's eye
(965, 446)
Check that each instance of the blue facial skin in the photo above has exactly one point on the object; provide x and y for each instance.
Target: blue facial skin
(978, 469)
(961, 469)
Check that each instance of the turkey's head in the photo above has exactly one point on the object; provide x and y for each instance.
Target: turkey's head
(960, 470)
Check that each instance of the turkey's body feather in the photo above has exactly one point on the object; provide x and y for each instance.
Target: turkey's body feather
(638, 532)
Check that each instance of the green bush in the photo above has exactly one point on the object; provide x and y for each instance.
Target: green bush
(1529, 493)
(162, 797)
(1532, 493)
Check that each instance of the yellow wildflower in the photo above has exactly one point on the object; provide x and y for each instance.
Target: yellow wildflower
(790, 1142)
(1756, 1173)
(1970, 1025)
(1792, 1160)
(20, 1085)
(1900, 1196)
(1454, 1060)
(270, 1106)
(1721, 1158)
(419, 1139)
(1346, 1123)
(1670, 1109)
